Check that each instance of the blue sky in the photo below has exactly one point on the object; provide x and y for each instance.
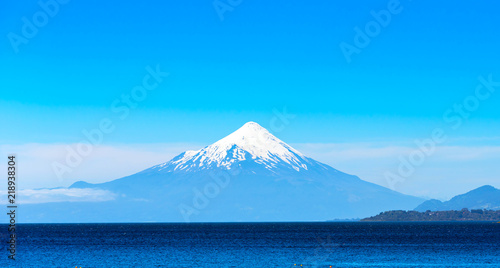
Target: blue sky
(263, 56)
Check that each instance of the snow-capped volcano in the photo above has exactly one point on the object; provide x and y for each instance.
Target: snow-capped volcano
(250, 142)
(250, 175)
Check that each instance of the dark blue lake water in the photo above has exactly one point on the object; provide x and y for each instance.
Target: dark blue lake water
(256, 245)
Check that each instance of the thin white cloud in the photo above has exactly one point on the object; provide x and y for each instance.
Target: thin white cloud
(37, 196)
(105, 163)
(350, 151)
(363, 151)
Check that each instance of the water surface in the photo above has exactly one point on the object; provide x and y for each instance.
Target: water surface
(355, 244)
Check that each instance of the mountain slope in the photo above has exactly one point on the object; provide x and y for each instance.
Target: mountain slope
(485, 197)
(249, 175)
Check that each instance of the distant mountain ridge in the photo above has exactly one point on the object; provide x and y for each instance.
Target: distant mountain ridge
(485, 197)
(250, 175)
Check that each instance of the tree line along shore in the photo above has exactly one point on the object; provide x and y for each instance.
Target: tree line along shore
(451, 215)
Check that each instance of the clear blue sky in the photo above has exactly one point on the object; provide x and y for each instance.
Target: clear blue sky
(263, 55)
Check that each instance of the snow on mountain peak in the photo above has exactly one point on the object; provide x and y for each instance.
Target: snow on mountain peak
(250, 142)
(257, 141)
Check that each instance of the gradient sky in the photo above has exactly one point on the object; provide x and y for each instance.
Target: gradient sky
(263, 56)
